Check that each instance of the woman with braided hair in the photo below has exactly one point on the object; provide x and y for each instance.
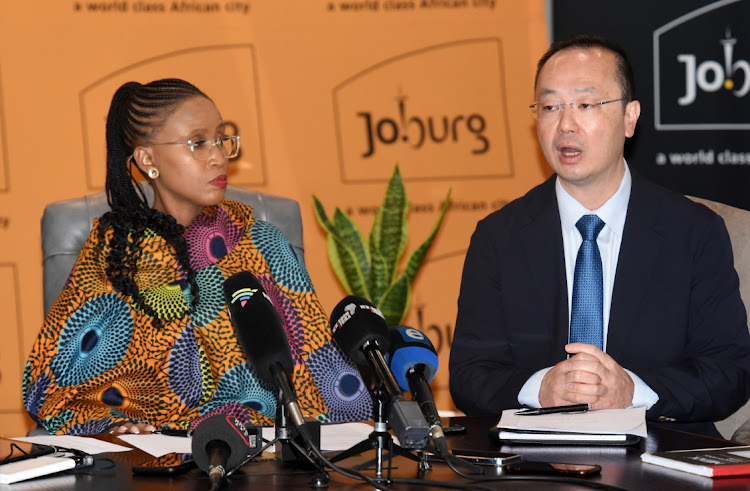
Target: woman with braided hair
(140, 338)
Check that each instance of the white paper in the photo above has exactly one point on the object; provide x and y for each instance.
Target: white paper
(338, 436)
(333, 436)
(341, 436)
(83, 443)
(158, 445)
(630, 421)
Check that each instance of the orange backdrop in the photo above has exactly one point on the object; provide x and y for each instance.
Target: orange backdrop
(327, 95)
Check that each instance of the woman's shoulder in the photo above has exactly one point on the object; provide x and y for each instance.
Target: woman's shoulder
(237, 209)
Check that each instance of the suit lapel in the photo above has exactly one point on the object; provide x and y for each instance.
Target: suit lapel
(541, 238)
(641, 242)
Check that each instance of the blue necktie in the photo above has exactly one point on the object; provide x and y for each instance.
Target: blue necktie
(586, 320)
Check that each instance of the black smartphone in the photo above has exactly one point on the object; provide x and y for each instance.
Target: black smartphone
(454, 429)
(485, 457)
(556, 468)
(479, 456)
(169, 464)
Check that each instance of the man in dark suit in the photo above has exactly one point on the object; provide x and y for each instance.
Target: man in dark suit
(669, 328)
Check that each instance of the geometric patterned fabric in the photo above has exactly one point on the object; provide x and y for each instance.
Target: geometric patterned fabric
(99, 361)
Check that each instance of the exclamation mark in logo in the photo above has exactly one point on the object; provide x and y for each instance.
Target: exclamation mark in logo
(728, 43)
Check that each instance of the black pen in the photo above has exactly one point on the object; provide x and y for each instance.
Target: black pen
(170, 432)
(575, 408)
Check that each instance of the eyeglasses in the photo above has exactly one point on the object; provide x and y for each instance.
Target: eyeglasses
(548, 112)
(203, 148)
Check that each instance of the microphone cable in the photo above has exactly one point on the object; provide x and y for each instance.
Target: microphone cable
(441, 447)
(452, 461)
(346, 472)
(354, 474)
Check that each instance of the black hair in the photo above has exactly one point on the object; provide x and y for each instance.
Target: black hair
(625, 76)
(137, 112)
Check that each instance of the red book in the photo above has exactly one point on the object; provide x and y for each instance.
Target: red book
(709, 462)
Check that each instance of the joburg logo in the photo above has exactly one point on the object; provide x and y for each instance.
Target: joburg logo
(710, 75)
(701, 69)
(440, 112)
(243, 295)
(415, 131)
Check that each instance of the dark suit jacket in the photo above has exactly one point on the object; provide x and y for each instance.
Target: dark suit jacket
(676, 320)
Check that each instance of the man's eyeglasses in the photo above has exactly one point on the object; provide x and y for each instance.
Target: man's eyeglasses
(203, 148)
(547, 112)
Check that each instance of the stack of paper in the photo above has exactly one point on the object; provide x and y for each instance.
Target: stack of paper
(597, 427)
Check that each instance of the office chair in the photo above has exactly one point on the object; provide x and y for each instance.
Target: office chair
(737, 221)
(67, 224)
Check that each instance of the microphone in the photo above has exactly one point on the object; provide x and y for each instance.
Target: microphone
(260, 332)
(220, 444)
(365, 338)
(414, 363)
(261, 335)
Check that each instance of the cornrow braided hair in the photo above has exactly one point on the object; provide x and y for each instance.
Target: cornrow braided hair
(138, 111)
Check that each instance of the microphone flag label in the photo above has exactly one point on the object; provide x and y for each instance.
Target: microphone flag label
(348, 312)
(243, 295)
(350, 309)
(411, 333)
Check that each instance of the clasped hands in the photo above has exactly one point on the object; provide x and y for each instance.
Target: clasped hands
(590, 376)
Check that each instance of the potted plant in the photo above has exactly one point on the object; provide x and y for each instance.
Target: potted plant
(370, 269)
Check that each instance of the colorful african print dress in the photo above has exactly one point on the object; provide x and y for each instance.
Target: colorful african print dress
(99, 361)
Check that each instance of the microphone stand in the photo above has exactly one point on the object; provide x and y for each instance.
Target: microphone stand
(290, 450)
(379, 439)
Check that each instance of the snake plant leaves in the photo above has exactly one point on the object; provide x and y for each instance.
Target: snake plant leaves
(371, 272)
(378, 277)
(395, 302)
(346, 250)
(417, 256)
(390, 231)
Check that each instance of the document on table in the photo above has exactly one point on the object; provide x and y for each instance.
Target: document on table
(158, 445)
(339, 436)
(83, 443)
(630, 421)
(333, 436)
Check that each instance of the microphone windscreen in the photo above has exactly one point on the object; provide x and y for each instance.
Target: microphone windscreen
(221, 428)
(257, 325)
(411, 347)
(355, 322)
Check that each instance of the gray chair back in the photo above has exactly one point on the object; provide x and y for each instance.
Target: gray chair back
(737, 221)
(67, 224)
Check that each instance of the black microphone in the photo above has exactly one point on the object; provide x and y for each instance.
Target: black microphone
(414, 363)
(220, 444)
(365, 338)
(261, 334)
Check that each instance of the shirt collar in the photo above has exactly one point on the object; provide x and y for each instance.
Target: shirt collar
(612, 212)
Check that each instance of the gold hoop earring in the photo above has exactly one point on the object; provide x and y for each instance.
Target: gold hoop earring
(153, 173)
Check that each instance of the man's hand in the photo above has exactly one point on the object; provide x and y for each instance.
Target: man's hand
(590, 376)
